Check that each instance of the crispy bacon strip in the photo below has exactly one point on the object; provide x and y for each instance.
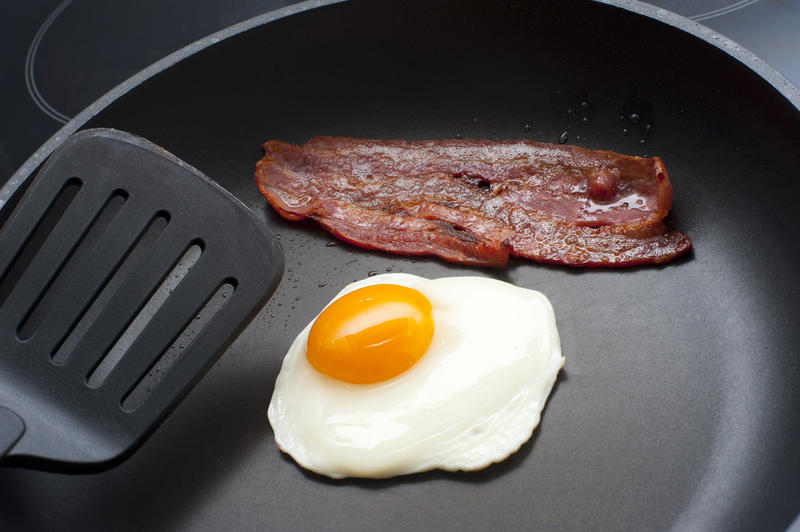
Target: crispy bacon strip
(477, 202)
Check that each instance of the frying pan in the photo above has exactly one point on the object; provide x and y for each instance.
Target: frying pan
(678, 404)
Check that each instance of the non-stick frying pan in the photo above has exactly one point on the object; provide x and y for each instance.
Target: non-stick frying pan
(678, 406)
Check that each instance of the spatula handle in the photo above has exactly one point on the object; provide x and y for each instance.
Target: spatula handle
(11, 430)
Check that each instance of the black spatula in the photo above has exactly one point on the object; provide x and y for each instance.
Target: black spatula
(124, 274)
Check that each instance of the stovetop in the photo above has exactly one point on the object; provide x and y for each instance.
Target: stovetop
(61, 55)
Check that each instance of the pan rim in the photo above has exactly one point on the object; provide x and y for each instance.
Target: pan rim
(741, 54)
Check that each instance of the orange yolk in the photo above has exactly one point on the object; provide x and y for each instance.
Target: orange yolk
(371, 334)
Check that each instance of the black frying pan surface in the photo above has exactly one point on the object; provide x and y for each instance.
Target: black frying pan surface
(678, 406)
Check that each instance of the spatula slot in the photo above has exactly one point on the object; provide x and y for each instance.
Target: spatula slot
(71, 265)
(33, 243)
(98, 375)
(159, 370)
(133, 256)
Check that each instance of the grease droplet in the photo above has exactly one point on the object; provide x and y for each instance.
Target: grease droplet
(625, 131)
(322, 285)
(330, 244)
(372, 274)
(474, 120)
(563, 138)
(527, 128)
(647, 129)
(635, 118)
(585, 120)
(459, 136)
(584, 105)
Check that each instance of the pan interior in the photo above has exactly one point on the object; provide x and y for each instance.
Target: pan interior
(677, 405)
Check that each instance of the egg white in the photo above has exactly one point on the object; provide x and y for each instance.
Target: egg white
(473, 398)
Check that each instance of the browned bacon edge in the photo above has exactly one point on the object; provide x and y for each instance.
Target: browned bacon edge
(477, 202)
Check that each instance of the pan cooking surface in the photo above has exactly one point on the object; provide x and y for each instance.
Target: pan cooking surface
(677, 405)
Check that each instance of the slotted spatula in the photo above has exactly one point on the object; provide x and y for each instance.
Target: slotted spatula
(124, 274)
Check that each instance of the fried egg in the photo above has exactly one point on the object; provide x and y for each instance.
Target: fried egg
(400, 374)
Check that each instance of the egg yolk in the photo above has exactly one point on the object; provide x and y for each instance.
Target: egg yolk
(371, 334)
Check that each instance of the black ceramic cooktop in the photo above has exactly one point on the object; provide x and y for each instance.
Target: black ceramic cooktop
(61, 55)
